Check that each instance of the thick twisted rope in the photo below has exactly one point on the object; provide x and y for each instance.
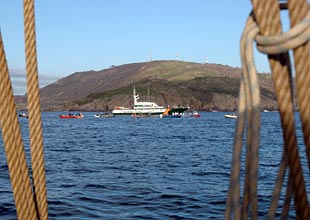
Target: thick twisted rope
(35, 125)
(16, 158)
(296, 37)
(268, 18)
(277, 44)
(298, 13)
(281, 43)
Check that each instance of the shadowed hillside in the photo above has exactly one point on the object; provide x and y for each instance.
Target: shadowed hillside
(200, 86)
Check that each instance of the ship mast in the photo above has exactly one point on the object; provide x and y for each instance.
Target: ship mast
(135, 97)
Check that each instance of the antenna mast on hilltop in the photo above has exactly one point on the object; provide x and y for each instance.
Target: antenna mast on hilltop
(149, 57)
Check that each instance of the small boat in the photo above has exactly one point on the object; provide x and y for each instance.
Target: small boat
(231, 116)
(78, 115)
(195, 114)
(104, 115)
(23, 115)
(172, 113)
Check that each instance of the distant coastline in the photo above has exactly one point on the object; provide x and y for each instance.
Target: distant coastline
(203, 87)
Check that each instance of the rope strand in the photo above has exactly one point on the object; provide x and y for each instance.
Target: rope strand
(266, 22)
(14, 148)
(35, 124)
(298, 12)
(265, 10)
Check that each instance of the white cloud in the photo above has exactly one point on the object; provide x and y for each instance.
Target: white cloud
(18, 78)
(19, 82)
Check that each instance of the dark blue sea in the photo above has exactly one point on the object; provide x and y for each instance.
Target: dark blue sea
(143, 168)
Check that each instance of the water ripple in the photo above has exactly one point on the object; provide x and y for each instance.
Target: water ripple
(152, 168)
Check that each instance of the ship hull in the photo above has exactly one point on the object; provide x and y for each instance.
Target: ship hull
(137, 111)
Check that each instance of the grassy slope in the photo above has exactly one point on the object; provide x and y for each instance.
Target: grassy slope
(202, 86)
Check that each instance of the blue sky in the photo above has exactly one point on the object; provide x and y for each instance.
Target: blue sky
(76, 35)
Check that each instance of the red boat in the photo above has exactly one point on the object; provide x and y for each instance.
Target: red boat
(79, 115)
(195, 114)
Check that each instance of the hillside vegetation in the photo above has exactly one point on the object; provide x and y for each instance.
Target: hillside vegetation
(199, 86)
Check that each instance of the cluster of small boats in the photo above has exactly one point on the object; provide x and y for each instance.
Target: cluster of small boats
(142, 110)
(193, 114)
(171, 114)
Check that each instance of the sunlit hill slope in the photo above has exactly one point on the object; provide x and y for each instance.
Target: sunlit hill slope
(199, 86)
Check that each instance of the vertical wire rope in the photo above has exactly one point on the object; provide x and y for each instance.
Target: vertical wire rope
(253, 113)
(233, 197)
(287, 200)
(278, 187)
(248, 99)
(16, 158)
(254, 123)
(248, 106)
(35, 124)
(247, 181)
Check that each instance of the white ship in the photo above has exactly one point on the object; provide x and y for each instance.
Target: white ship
(139, 108)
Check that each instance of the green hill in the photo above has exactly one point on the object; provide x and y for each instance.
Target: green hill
(200, 86)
